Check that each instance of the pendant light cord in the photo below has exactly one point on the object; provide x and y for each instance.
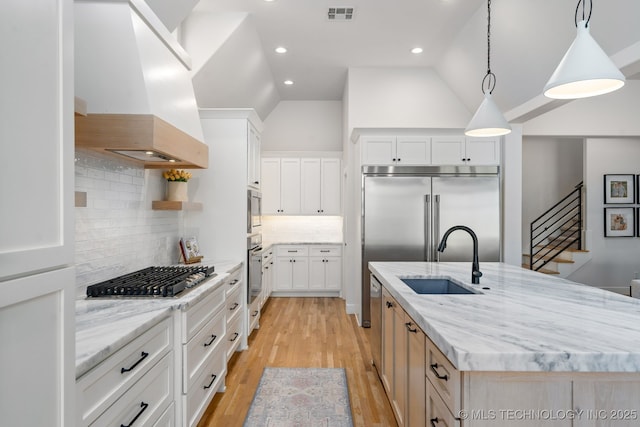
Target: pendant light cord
(584, 2)
(490, 78)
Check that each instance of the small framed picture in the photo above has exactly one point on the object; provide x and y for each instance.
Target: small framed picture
(619, 189)
(619, 222)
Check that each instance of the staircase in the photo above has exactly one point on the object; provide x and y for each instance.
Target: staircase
(557, 244)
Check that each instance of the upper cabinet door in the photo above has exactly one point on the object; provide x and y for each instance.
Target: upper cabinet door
(310, 179)
(330, 189)
(483, 151)
(413, 150)
(270, 186)
(36, 118)
(378, 150)
(253, 158)
(290, 186)
(448, 150)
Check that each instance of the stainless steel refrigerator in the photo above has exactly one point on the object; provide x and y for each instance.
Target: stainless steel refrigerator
(407, 209)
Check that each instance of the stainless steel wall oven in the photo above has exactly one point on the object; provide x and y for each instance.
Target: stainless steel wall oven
(254, 265)
(254, 211)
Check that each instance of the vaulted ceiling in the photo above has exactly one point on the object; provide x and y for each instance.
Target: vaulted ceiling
(232, 44)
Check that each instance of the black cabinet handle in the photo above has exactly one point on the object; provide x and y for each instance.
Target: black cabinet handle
(213, 378)
(294, 260)
(434, 422)
(389, 304)
(292, 251)
(233, 282)
(399, 159)
(434, 368)
(235, 336)
(408, 325)
(256, 182)
(234, 306)
(142, 357)
(213, 338)
(255, 313)
(144, 406)
(325, 250)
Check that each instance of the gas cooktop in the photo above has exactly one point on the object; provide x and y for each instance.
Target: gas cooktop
(152, 282)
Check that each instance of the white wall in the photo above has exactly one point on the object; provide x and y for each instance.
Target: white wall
(402, 98)
(304, 126)
(551, 168)
(615, 259)
(117, 232)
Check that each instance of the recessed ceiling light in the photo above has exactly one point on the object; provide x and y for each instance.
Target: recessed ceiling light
(416, 50)
(288, 82)
(281, 49)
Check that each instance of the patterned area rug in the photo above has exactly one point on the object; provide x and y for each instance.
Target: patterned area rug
(301, 397)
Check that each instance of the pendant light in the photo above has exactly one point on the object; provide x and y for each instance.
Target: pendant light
(488, 120)
(585, 70)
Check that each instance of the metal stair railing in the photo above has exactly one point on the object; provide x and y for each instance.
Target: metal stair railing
(556, 230)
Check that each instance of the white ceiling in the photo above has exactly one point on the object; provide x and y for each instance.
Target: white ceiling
(528, 40)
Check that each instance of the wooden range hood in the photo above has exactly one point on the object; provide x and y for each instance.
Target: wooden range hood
(144, 138)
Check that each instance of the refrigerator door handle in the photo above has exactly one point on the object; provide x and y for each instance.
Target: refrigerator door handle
(436, 226)
(428, 246)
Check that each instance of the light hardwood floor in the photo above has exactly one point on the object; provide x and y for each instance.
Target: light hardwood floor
(303, 332)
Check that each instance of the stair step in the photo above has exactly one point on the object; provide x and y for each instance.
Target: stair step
(542, 270)
(549, 258)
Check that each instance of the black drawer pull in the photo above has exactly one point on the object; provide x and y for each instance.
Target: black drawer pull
(144, 406)
(234, 306)
(142, 357)
(389, 304)
(211, 383)
(235, 336)
(325, 251)
(408, 325)
(233, 282)
(255, 313)
(434, 422)
(213, 338)
(438, 376)
(293, 251)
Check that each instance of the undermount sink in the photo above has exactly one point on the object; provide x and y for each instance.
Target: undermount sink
(437, 286)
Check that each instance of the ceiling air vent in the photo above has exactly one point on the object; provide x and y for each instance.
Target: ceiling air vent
(340, 14)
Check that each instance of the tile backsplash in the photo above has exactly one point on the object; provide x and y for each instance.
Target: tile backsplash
(118, 232)
(301, 229)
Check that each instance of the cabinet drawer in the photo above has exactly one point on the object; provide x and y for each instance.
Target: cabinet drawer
(326, 251)
(103, 385)
(285, 251)
(233, 336)
(444, 377)
(197, 351)
(233, 282)
(234, 305)
(145, 401)
(254, 314)
(438, 413)
(204, 387)
(267, 256)
(196, 317)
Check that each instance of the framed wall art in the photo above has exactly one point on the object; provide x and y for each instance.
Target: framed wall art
(619, 222)
(619, 189)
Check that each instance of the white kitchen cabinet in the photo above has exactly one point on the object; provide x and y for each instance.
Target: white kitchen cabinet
(103, 393)
(325, 268)
(460, 150)
(37, 277)
(268, 270)
(304, 270)
(253, 154)
(281, 186)
(321, 186)
(392, 150)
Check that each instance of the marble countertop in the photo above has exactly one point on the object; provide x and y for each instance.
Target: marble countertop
(267, 244)
(103, 326)
(525, 321)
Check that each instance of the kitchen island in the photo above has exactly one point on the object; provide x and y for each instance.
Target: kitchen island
(525, 342)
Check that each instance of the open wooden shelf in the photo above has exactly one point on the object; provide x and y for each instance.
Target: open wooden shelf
(166, 205)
